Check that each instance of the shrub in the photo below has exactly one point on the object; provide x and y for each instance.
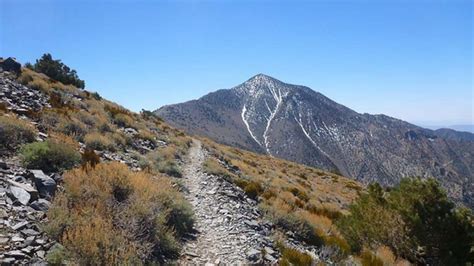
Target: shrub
(89, 157)
(14, 132)
(442, 230)
(109, 215)
(57, 255)
(386, 255)
(56, 70)
(49, 156)
(96, 96)
(290, 222)
(147, 135)
(164, 161)
(371, 223)
(253, 189)
(331, 214)
(369, 259)
(416, 213)
(123, 120)
(38, 84)
(290, 256)
(97, 141)
(73, 128)
(213, 167)
(170, 168)
(299, 193)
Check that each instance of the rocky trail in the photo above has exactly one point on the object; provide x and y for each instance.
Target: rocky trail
(229, 229)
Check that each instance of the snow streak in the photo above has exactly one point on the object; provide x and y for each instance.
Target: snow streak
(244, 110)
(279, 99)
(309, 137)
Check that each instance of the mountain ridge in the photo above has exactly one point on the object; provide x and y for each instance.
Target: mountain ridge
(297, 123)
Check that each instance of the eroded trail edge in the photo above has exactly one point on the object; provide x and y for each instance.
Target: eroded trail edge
(228, 223)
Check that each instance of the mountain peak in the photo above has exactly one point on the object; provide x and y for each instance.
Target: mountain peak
(262, 78)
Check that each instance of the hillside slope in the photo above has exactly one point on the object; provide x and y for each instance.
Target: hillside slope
(122, 187)
(298, 124)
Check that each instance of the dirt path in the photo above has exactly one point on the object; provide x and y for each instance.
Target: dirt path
(229, 229)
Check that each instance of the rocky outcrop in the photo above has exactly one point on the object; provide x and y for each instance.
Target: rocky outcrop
(22, 212)
(10, 64)
(20, 99)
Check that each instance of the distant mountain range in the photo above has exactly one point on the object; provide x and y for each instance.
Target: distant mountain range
(296, 123)
(462, 128)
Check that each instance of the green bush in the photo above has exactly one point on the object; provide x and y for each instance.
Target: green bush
(163, 161)
(14, 132)
(169, 167)
(49, 156)
(414, 215)
(57, 255)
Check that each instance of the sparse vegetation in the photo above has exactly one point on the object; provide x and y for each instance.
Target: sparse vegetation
(107, 214)
(50, 156)
(110, 215)
(415, 219)
(14, 132)
(56, 70)
(296, 198)
(164, 161)
(97, 141)
(290, 256)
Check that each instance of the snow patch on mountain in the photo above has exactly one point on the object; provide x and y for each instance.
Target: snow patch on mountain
(244, 110)
(279, 99)
(300, 123)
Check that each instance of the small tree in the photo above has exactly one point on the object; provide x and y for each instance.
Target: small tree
(415, 219)
(56, 70)
(444, 233)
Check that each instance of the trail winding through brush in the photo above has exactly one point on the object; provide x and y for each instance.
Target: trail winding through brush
(228, 224)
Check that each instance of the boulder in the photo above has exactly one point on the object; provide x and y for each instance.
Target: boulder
(15, 254)
(11, 65)
(45, 184)
(30, 189)
(19, 194)
(40, 205)
(19, 225)
(254, 255)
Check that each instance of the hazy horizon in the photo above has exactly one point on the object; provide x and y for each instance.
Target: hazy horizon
(409, 60)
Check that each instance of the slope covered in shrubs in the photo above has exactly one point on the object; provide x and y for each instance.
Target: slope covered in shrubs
(14, 132)
(415, 219)
(104, 212)
(132, 212)
(110, 215)
(56, 70)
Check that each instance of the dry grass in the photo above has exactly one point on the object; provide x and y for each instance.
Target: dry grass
(14, 132)
(99, 142)
(295, 197)
(386, 255)
(42, 82)
(110, 215)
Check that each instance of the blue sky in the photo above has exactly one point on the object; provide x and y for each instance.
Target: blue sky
(407, 59)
